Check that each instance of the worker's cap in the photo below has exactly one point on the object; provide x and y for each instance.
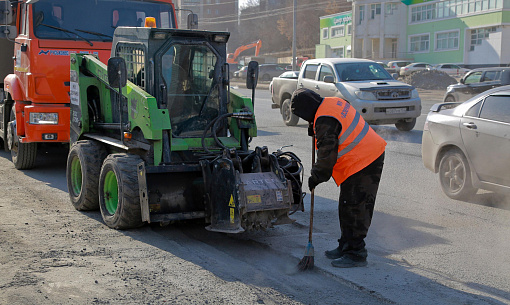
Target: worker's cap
(305, 103)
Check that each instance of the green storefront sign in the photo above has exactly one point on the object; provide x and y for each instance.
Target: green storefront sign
(337, 20)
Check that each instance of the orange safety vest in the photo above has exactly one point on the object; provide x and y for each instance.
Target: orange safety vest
(358, 144)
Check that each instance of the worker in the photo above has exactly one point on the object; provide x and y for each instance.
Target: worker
(353, 154)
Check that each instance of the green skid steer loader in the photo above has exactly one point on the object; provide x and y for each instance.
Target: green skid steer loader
(157, 135)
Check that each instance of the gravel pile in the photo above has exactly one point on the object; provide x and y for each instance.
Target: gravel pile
(430, 80)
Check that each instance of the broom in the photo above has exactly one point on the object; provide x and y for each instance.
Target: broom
(307, 261)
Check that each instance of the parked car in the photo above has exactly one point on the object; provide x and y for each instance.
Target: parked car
(394, 66)
(268, 71)
(477, 81)
(241, 73)
(233, 68)
(450, 69)
(414, 67)
(287, 75)
(468, 144)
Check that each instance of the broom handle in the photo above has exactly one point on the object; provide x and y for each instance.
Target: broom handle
(312, 193)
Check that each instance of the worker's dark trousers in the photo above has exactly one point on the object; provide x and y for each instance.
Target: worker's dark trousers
(356, 206)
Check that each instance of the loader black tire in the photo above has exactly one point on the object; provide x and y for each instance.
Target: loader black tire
(23, 155)
(84, 163)
(119, 198)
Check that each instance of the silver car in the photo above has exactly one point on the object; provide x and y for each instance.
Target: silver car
(414, 67)
(468, 144)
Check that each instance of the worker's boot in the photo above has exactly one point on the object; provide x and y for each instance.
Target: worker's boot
(352, 258)
(336, 253)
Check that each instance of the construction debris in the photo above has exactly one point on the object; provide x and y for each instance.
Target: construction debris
(430, 80)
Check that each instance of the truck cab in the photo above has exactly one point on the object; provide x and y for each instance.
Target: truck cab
(35, 105)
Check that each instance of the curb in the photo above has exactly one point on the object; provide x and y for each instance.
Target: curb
(242, 85)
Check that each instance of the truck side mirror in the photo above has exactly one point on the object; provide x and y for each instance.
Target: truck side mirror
(505, 77)
(394, 75)
(192, 21)
(5, 12)
(252, 75)
(117, 73)
(329, 79)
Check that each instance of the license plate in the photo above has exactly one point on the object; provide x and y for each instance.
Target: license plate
(395, 110)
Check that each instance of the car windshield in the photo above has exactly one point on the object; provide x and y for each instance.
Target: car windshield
(95, 20)
(361, 71)
(193, 91)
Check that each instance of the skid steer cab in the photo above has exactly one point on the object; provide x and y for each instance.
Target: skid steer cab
(159, 136)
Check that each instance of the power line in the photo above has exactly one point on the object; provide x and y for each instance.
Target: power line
(272, 13)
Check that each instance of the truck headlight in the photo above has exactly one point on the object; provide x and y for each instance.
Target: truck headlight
(44, 118)
(414, 94)
(365, 95)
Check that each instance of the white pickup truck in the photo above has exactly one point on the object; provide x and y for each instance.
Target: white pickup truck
(365, 84)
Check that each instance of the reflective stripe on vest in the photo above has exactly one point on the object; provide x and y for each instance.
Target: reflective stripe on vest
(356, 140)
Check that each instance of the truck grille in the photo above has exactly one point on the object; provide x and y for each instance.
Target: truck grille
(396, 94)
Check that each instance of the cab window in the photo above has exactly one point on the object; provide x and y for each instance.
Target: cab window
(310, 71)
(325, 71)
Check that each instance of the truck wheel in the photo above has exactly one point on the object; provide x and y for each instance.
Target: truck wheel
(449, 99)
(83, 167)
(119, 199)
(405, 126)
(289, 118)
(23, 155)
(455, 175)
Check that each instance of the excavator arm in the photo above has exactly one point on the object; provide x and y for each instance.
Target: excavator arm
(232, 57)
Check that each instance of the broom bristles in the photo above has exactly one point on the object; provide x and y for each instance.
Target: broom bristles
(307, 261)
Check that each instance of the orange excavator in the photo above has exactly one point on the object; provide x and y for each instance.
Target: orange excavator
(232, 57)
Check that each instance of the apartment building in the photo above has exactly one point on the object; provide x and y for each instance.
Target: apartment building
(467, 32)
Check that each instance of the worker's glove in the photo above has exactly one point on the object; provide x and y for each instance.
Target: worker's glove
(311, 132)
(312, 183)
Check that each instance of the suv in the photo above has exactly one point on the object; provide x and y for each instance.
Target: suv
(268, 71)
(477, 81)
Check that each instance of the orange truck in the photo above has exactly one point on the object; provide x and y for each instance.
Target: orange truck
(35, 100)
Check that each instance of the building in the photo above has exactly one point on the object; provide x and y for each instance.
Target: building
(213, 15)
(469, 32)
(379, 29)
(336, 33)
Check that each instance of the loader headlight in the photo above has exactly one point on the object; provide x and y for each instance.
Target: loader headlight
(365, 95)
(44, 118)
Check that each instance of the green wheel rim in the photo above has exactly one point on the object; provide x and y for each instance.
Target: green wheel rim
(111, 192)
(76, 176)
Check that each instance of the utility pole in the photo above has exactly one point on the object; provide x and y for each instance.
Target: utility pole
(294, 61)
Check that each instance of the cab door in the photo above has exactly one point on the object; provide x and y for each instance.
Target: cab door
(22, 49)
(308, 77)
(326, 89)
(487, 139)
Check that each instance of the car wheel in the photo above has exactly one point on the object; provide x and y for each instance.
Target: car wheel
(455, 175)
(405, 126)
(289, 118)
(449, 99)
